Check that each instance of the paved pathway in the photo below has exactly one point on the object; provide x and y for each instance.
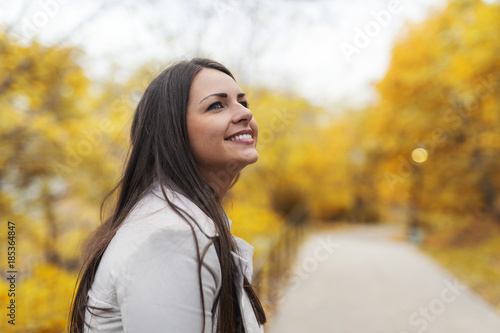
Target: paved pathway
(361, 280)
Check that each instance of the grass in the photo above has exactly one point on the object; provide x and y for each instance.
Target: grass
(472, 253)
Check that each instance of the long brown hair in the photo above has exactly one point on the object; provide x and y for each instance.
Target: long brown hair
(160, 152)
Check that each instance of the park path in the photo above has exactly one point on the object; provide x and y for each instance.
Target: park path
(363, 280)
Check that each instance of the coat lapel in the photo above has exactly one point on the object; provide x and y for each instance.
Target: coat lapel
(244, 267)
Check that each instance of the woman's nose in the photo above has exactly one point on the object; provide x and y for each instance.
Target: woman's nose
(242, 114)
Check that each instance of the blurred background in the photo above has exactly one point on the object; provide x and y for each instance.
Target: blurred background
(370, 112)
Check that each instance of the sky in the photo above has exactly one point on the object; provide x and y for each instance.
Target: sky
(330, 52)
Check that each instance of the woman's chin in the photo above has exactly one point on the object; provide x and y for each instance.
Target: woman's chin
(252, 157)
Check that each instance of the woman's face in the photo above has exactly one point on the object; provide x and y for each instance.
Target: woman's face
(222, 131)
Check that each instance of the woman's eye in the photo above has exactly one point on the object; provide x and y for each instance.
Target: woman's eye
(245, 104)
(215, 106)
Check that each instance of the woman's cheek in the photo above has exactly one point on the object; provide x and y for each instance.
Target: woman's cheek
(255, 129)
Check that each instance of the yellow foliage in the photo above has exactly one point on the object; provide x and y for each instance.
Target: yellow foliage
(257, 225)
(440, 93)
(43, 298)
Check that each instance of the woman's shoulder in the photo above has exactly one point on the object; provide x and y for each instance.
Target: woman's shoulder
(152, 227)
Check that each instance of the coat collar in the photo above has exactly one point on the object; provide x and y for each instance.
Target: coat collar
(188, 208)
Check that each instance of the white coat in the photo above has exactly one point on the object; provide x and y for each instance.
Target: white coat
(148, 274)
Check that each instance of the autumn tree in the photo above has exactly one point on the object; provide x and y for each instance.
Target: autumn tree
(441, 93)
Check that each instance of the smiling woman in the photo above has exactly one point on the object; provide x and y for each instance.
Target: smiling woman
(166, 261)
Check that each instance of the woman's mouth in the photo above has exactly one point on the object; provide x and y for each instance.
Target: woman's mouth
(239, 137)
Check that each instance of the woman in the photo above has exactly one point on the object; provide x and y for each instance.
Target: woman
(165, 261)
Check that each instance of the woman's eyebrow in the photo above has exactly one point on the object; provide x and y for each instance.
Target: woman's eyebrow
(222, 95)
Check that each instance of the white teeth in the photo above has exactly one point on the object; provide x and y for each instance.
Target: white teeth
(240, 137)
